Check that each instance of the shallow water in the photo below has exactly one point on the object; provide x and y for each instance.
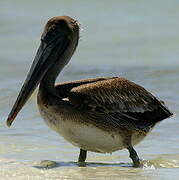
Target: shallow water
(134, 39)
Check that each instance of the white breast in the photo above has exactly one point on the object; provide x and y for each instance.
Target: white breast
(84, 136)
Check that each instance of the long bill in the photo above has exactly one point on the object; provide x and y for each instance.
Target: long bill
(47, 55)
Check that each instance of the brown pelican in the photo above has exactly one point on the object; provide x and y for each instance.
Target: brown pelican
(100, 115)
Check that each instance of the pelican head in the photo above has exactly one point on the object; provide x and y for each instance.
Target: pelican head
(58, 43)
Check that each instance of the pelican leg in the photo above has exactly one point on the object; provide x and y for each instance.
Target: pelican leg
(133, 155)
(82, 157)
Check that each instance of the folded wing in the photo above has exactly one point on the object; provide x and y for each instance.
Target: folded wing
(119, 102)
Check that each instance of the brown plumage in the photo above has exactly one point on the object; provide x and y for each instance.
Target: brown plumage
(101, 114)
(122, 102)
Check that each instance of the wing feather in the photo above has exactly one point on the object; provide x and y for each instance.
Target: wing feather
(120, 102)
(115, 95)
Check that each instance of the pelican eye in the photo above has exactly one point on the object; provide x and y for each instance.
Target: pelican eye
(52, 31)
(50, 35)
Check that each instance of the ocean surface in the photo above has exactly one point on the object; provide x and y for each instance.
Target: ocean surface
(138, 40)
